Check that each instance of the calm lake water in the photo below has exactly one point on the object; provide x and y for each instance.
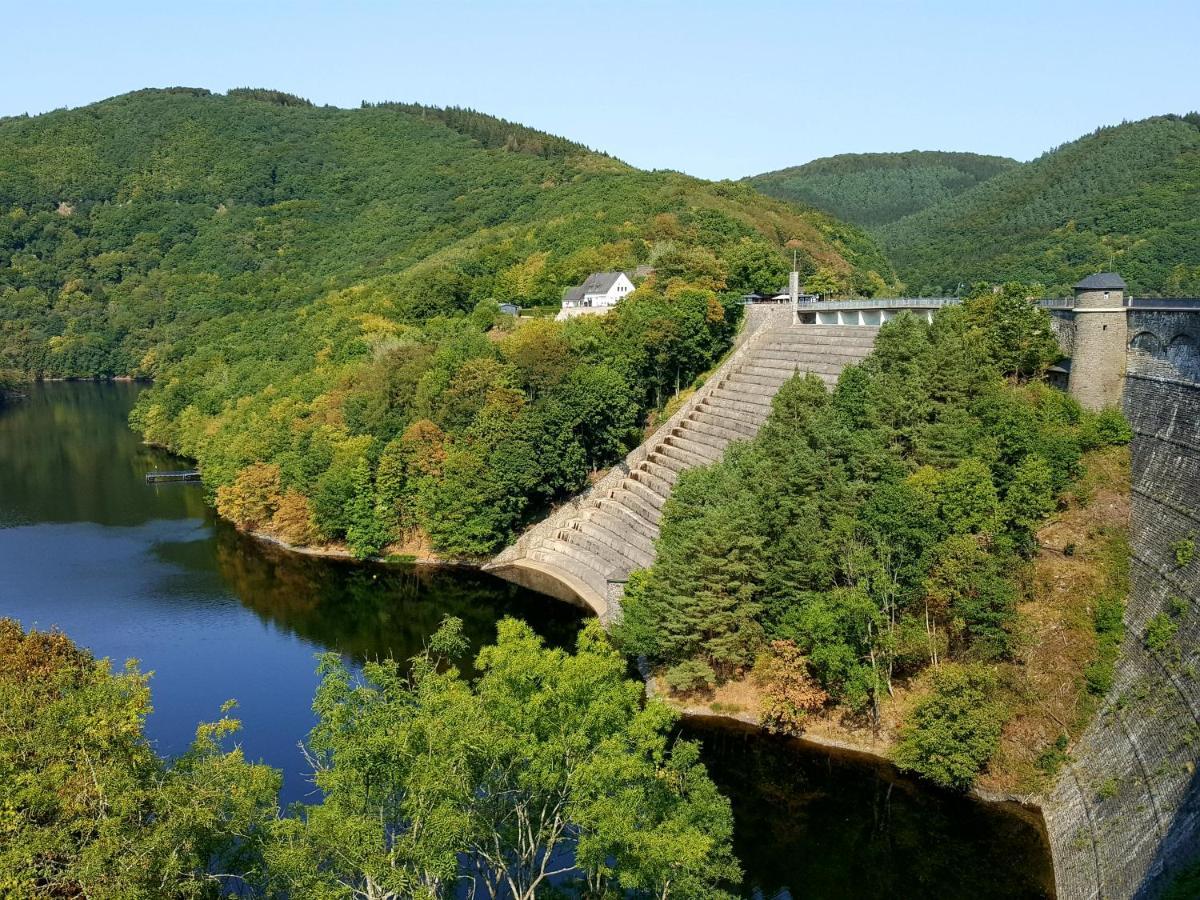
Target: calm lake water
(146, 572)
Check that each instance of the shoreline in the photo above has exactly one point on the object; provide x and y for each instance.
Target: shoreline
(335, 552)
(1028, 805)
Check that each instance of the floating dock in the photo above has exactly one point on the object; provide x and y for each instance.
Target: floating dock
(192, 475)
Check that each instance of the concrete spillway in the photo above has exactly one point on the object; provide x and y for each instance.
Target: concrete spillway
(587, 549)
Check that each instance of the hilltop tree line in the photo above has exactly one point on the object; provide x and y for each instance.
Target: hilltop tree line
(517, 784)
(313, 292)
(876, 530)
(873, 189)
(1122, 199)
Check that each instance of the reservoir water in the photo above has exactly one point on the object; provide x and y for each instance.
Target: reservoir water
(135, 570)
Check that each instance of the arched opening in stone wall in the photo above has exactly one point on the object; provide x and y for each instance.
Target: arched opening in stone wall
(1147, 342)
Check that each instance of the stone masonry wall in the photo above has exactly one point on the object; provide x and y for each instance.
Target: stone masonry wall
(1125, 815)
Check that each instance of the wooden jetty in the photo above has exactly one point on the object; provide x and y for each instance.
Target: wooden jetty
(191, 475)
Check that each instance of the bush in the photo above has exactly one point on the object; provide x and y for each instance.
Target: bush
(1183, 550)
(1106, 428)
(790, 691)
(690, 676)
(1052, 758)
(1160, 631)
(1108, 789)
(954, 731)
(1108, 619)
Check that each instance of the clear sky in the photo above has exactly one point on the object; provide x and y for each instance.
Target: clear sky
(716, 89)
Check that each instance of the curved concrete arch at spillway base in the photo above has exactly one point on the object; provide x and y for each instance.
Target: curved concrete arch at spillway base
(553, 582)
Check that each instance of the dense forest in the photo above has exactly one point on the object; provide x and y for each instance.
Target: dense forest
(1123, 199)
(869, 534)
(872, 189)
(517, 784)
(314, 292)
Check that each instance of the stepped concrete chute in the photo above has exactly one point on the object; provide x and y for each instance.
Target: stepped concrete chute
(586, 550)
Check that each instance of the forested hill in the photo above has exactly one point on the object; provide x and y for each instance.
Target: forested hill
(314, 292)
(872, 189)
(1124, 199)
(115, 214)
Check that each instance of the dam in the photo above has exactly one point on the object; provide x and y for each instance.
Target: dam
(1124, 816)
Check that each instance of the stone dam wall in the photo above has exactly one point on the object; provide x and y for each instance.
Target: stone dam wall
(1124, 817)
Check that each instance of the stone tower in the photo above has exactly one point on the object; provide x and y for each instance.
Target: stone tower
(1101, 336)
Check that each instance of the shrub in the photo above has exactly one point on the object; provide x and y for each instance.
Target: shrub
(790, 691)
(1108, 619)
(690, 676)
(1160, 631)
(1104, 429)
(1051, 759)
(1108, 789)
(953, 732)
(1183, 550)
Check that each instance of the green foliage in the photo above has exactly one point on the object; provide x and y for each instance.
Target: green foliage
(1108, 616)
(1108, 619)
(1160, 632)
(1054, 757)
(690, 676)
(430, 781)
(427, 781)
(305, 284)
(878, 528)
(1183, 550)
(1017, 332)
(1108, 789)
(953, 732)
(1109, 427)
(1122, 198)
(90, 809)
(872, 189)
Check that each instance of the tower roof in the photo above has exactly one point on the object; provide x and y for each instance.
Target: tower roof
(1102, 281)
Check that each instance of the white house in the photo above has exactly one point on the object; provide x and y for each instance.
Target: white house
(599, 292)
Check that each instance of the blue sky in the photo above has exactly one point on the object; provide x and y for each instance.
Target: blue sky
(718, 90)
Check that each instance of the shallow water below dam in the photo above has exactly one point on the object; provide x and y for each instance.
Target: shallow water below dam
(146, 571)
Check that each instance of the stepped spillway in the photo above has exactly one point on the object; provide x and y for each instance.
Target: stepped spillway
(586, 550)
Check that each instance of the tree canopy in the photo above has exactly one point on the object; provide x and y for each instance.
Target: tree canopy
(316, 290)
(545, 775)
(873, 189)
(1121, 199)
(871, 532)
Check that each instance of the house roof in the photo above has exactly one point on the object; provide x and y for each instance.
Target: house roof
(1102, 281)
(575, 293)
(600, 282)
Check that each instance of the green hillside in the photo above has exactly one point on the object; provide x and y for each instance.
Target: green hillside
(313, 292)
(1125, 199)
(872, 189)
